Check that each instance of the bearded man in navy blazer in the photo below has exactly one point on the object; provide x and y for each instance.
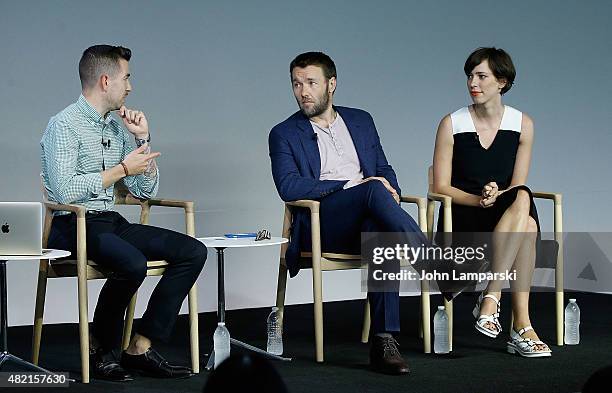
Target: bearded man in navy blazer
(333, 154)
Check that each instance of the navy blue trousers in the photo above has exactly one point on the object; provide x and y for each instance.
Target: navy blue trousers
(124, 248)
(368, 207)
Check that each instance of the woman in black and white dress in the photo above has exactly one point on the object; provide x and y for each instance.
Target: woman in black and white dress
(481, 160)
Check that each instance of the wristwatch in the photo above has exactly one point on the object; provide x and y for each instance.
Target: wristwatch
(140, 142)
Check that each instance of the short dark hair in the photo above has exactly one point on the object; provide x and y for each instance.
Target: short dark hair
(317, 59)
(500, 63)
(100, 59)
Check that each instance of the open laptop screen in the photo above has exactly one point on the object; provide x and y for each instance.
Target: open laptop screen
(20, 228)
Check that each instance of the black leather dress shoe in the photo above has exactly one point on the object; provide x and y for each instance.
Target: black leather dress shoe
(152, 364)
(386, 358)
(106, 366)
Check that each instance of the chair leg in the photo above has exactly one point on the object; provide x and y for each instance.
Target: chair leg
(560, 316)
(193, 329)
(425, 316)
(365, 330)
(421, 320)
(449, 312)
(558, 225)
(318, 312)
(281, 287)
(83, 328)
(39, 309)
(129, 320)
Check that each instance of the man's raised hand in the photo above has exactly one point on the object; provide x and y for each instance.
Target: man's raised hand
(135, 122)
(137, 161)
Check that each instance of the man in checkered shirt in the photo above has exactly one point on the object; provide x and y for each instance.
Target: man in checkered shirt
(85, 151)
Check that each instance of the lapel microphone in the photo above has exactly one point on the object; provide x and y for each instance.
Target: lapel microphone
(108, 141)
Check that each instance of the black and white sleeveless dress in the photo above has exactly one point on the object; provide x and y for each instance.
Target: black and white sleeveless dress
(474, 166)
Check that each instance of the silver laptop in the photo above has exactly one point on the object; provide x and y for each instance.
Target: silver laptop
(20, 228)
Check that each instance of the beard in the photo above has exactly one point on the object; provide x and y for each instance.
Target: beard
(116, 103)
(318, 107)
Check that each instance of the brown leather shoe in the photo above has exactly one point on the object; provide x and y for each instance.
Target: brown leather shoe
(385, 356)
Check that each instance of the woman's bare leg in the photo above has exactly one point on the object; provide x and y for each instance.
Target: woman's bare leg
(507, 241)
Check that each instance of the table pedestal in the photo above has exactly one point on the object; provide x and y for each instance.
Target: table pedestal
(221, 315)
(5, 356)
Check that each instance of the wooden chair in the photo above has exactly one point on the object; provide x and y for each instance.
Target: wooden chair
(320, 261)
(85, 269)
(446, 202)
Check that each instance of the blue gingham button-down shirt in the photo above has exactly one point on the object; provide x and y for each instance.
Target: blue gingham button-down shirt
(73, 158)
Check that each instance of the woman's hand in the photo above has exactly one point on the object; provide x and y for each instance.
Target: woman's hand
(490, 192)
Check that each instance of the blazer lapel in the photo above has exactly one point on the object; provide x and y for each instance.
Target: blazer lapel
(359, 138)
(309, 143)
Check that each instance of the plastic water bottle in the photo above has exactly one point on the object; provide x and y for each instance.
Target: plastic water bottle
(221, 343)
(275, 333)
(441, 344)
(572, 323)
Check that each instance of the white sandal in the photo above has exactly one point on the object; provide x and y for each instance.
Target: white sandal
(525, 346)
(482, 319)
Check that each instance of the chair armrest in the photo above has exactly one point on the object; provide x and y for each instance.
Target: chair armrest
(557, 212)
(419, 201)
(556, 197)
(444, 199)
(315, 228)
(187, 205)
(422, 209)
(307, 203)
(129, 199)
(447, 203)
(59, 207)
(81, 231)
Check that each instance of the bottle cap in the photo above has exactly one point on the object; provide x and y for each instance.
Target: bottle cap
(572, 300)
(441, 308)
(220, 323)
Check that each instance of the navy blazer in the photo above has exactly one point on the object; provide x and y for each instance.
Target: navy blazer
(296, 168)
